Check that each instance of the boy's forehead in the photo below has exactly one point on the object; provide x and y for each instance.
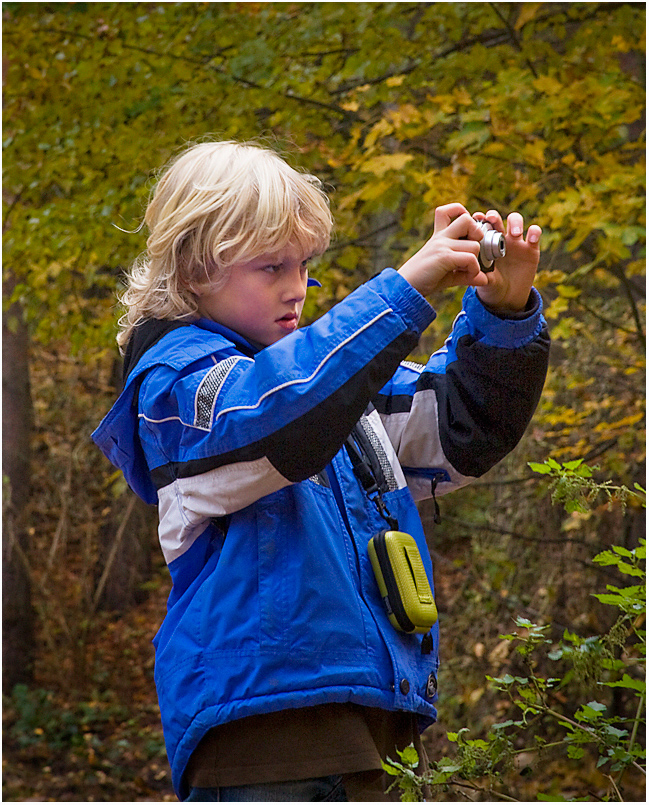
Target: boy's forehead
(289, 252)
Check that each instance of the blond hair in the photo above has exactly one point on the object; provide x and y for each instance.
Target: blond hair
(218, 204)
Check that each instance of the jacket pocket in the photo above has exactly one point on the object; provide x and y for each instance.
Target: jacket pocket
(308, 577)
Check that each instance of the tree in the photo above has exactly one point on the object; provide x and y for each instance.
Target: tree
(17, 615)
(398, 107)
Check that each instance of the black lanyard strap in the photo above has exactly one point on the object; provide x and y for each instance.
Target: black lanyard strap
(368, 472)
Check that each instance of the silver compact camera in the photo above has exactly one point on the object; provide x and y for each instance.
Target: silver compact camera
(492, 246)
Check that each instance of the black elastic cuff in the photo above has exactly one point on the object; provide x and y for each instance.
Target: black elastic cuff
(531, 306)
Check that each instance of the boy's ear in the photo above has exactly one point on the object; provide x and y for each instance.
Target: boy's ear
(193, 284)
(188, 285)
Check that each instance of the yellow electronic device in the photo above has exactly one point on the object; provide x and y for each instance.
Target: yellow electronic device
(402, 581)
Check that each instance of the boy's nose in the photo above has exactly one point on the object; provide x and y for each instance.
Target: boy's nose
(295, 289)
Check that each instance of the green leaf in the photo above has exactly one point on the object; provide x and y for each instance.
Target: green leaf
(627, 682)
(410, 756)
(572, 465)
(509, 723)
(447, 765)
(591, 711)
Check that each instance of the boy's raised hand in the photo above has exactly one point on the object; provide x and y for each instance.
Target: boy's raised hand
(508, 285)
(450, 258)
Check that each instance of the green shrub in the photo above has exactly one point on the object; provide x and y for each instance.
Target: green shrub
(603, 663)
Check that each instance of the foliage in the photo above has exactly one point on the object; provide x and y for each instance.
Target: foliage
(37, 720)
(573, 485)
(615, 660)
(94, 745)
(398, 107)
(429, 102)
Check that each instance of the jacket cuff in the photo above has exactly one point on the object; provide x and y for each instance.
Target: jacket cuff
(399, 294)
(494, 330)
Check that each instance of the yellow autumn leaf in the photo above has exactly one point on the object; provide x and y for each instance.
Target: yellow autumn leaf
(495, 147)
(620, 43)
(406, 113)
(380, 129)
(528, 12)
(547, 277)
(568, 291)
(349, 200)
(380, 165)
(462, 96)
(548, 85)
(535, 152)
(559, 305)
(621, 423)
(445, 102)
(374, 190)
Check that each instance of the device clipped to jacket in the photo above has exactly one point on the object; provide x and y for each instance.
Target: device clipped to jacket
(402, 581)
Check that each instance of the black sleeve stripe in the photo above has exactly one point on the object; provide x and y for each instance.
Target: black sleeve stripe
(486, 401)
(393, 403)
(307, 444)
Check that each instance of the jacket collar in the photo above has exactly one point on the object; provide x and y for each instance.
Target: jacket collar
(141, 352)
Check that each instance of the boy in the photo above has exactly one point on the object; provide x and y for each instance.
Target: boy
(279, 674)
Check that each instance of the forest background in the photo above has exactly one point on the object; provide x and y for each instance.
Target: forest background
(398, 107)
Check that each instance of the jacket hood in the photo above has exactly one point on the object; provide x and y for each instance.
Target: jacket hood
(144, 336)
(153, 343)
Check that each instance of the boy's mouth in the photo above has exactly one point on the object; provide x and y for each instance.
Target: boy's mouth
(288, 322)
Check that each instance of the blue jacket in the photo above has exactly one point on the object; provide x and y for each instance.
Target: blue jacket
(263, 522)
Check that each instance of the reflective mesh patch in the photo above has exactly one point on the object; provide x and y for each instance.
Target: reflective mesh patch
(418, 367)
(386, 467)
(208, 391)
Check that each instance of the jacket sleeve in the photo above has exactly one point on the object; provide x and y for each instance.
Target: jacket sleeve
(456, 417)
(231, 429)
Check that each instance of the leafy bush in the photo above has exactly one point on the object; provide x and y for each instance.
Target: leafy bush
(613, 662)
(35, 718)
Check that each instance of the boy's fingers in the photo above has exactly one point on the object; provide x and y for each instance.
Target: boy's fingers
(515, 224)
(493, 217)
(534, 234)
(447, 213)
(466, 244)
(464, 227)
(465, 260)
(468, 275)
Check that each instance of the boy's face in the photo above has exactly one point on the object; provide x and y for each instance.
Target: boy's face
(262, 299)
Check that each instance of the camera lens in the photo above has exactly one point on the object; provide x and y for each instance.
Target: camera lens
(492, 245)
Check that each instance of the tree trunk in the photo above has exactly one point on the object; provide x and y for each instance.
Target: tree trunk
(127, 541)
(125, 553)
(17, 614)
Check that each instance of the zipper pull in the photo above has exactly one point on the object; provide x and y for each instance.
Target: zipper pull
(385, 512)
(427, 643)
(437, 517)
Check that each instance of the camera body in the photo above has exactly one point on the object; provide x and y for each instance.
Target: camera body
(492, 246)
